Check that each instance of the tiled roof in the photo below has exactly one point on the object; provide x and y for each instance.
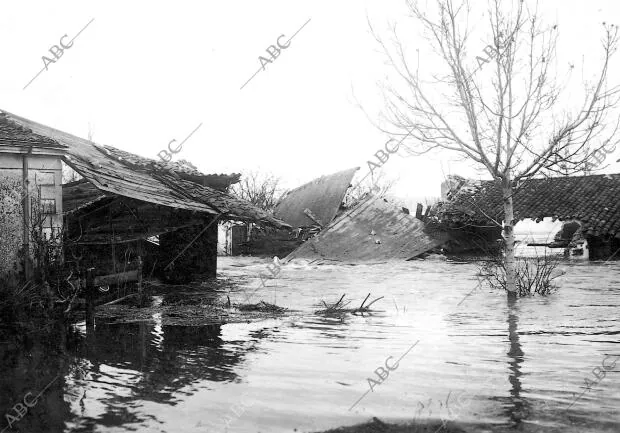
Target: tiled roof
(148, 163)
(594, 200)
(111, 171)
(13, 134)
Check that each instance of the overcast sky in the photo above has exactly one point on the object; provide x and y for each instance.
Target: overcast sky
(145, 73)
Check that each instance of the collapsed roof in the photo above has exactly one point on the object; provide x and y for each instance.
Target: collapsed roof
(373, 230)
(116, 172)
(185, 169)
(593, 200)
(322, 197)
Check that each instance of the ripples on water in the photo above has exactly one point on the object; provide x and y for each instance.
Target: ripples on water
(506, 365)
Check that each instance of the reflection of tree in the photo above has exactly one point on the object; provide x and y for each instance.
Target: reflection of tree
(329, 326)
(515, 408)
(518, 410)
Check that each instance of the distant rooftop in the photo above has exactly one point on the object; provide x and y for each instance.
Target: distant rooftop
(593, 200)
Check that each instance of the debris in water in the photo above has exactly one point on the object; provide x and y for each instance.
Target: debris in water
(340, 307)
(262, 306)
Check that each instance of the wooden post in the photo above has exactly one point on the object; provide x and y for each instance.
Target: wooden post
(26, 221)
(90, 298)
(140, 292)
(427, 214)
(418, 211)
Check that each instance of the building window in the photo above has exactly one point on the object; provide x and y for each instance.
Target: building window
(48, 206)
(44, 178)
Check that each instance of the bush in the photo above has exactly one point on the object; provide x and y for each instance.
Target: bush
(11, 224)
(534, 275)
(35, 298)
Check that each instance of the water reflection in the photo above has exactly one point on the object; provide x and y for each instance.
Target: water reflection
(304, 370)
(33, 363)
(517, 408)
(111, 371)
(161, 364)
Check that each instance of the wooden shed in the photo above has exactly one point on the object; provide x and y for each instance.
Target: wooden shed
(128, 207)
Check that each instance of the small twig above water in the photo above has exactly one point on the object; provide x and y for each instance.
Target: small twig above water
(340, 307)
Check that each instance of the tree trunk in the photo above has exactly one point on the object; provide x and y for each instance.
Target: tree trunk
(509, 238)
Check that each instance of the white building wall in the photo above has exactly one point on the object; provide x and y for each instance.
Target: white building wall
(45, 177)
(529, 231)
(224, 239)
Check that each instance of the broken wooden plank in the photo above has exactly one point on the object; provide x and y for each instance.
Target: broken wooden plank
(313, 217)
(117, 279)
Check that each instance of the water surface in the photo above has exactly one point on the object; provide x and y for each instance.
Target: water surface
(476, 359)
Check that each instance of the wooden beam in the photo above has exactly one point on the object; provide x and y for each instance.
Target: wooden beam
(313, 217)
(117, 279)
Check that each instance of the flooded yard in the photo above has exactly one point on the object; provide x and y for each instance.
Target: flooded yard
(379, 149)
(435, 348)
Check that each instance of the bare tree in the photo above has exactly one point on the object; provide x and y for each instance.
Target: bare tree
(378, 184)
(501, 107)
(262, 190)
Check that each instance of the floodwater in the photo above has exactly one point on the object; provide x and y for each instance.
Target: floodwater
(466, 355)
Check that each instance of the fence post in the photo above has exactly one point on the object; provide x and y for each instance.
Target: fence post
(140, 291)
(418, 211)
(140, 251)
(28, 268)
